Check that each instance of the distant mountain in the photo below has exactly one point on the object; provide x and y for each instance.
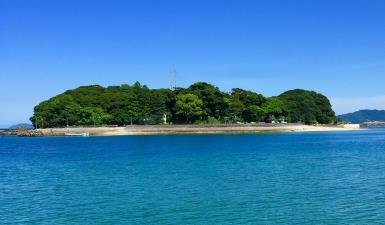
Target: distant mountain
(26, 125)
(363, 116)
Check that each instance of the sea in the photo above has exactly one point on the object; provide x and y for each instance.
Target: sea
(290, 178)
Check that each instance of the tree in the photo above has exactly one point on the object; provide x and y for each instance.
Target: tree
(254, 113)
(234, 108)
(248, 97)
(93, 116)
(246, 105)
(212, 98)
(308, 107)
(275, 107)
(189, 106)
(56, 112)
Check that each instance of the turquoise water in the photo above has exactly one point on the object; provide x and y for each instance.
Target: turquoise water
(310, 178)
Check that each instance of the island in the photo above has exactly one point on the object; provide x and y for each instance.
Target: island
(200, 108)
(366, 117)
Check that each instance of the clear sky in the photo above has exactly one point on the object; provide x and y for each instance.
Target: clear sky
(333, 47)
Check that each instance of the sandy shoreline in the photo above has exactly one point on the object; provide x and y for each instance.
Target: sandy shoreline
(194, 129)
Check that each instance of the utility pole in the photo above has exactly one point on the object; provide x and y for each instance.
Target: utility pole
(35, 122)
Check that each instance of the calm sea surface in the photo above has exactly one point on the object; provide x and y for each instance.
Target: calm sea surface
(307, 178)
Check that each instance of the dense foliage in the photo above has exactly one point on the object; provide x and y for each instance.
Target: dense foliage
(308, 107)
(201, 103)
(363, 116)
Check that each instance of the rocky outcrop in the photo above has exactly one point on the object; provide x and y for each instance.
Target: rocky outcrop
(22, 133)
(29, 133)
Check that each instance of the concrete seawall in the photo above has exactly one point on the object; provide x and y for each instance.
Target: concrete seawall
(193, 129)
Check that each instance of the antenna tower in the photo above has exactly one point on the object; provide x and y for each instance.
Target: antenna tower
(173, 79)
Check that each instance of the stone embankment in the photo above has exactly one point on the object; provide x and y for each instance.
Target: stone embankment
(180, 129)
(30, 133)
(194, 129)
(374, 124)
(22, 133)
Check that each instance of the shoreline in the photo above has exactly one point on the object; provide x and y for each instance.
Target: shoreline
(194, 129)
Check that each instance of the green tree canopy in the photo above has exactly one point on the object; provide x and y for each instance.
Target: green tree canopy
(189, 106)
(307, 107)
(254, 113)
(275, 107)
(248, 97)
(211, 96)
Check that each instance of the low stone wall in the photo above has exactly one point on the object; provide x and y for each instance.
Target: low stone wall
(191, 129)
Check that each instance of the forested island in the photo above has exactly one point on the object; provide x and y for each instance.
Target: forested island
(200, 103)
(363, 116)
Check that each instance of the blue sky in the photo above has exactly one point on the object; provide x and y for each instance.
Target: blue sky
(333, 47)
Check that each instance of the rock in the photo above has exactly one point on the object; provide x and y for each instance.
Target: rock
(22, 133)
(29, 133)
